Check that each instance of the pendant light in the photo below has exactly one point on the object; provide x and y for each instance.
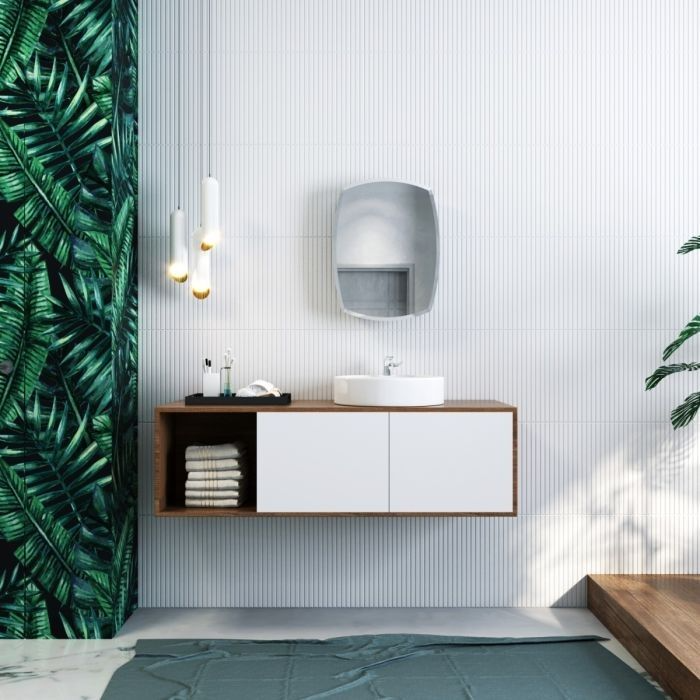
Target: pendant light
(178, 253)
(201, 275)
(211, 233)
(177, 266)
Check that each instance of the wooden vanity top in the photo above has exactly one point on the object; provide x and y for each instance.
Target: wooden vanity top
(298, 406)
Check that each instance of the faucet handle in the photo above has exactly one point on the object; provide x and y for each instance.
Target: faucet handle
(389, 364)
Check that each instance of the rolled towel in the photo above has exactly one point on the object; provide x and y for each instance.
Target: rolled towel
(213, 494)
(225, 451)
(211, 484)
(213, 474)
(212, 465)
(213, 503)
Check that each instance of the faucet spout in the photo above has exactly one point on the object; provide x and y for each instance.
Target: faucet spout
(389, 364)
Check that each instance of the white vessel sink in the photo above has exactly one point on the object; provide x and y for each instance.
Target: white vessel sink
(380, 390)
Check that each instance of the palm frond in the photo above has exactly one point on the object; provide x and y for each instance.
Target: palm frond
(123, 573)
(102, 432)
(83, 339)
(691, 329)
(57, 128)
(61, 468)
(690, 245)
(683, 414)
(21, 23)
(46, 210)
(12, 245)
(102, 94)
(86, 27)
(12, 618)
(26, 335)
(665, 370)
(44, 547)
(84, 626)
(36, 613)
(122, 263)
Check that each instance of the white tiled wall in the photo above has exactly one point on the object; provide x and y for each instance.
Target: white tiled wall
(561, 142)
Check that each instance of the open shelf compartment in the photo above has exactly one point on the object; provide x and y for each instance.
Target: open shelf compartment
(176, 431)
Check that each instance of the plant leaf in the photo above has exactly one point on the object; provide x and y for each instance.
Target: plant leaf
(683, 414)
(47, 209)
(56, 125)
(122, 577)
(12, 586)
(690, 245)
(61, 467)
(44, 547)
(26, 327)
(36, 614)
(102, 432)
(82, 335)
(21, 23)
(102, 92)
(665, 370)
(688, 332)
(87, 29)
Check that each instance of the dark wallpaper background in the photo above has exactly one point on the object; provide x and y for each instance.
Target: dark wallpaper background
(68, 320)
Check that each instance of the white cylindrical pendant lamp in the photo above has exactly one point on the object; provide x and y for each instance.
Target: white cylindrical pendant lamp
(201, 274)
(211, 233)
(177, 264)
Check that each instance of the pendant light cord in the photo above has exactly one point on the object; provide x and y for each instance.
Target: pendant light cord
(178, 106)
(209, 81)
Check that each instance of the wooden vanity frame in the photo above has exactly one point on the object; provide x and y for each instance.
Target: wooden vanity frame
(214, 422)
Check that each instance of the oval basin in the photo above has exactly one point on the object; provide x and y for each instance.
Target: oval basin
(378, 390)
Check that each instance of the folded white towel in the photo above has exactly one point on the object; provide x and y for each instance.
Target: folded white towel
(210, 474)
(213, 465)
(212, 484)
(210, 503)
(259, 388)
(214, 495)
(229, 449)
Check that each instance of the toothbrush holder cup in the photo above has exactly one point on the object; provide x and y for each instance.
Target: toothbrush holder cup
(210, 383)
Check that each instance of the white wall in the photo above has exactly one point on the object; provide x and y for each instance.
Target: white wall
(561, 141)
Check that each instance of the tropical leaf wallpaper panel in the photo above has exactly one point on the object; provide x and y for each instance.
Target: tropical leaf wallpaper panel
(68, 340)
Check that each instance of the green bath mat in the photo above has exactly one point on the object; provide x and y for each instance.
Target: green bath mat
(372, 667)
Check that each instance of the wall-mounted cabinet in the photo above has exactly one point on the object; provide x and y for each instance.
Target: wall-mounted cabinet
(315, 458)
(386, 250)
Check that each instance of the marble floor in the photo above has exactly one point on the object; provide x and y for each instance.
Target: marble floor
(80, 670)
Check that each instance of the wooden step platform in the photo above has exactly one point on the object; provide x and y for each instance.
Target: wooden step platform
(657, 618)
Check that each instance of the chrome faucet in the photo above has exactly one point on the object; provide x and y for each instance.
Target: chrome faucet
(389, 364)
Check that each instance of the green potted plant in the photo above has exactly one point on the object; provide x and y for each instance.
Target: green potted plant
(684, 413)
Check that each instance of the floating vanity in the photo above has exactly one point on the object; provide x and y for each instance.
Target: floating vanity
(321, 458)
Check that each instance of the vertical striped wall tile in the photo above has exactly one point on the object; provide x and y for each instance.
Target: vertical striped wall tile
(561, 142)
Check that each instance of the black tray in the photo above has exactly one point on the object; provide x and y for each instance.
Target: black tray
(221, 400)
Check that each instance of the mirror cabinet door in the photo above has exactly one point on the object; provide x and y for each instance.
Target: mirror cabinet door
(385, 250)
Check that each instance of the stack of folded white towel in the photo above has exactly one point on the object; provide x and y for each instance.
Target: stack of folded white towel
(215, 475)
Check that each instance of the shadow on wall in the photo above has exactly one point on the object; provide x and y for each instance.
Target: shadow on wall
(630, 512)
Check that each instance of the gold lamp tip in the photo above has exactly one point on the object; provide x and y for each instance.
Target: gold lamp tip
(177, 273)
(205, 245)
(201, 293)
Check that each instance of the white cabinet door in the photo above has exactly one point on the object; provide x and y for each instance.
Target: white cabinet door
(451, 462)
(323, 462)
